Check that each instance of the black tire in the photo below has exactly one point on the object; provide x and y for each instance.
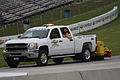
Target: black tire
(12, 63)
(58, 60)
(42, 59)
(86, 54)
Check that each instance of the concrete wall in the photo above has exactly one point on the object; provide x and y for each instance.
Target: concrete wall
(56, 76)
(104, 74)
(13, 76)
(110, 74)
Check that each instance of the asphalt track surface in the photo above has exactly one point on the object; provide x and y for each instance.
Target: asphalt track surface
(66, 66)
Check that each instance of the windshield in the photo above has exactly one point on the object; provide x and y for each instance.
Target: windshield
(43, 33)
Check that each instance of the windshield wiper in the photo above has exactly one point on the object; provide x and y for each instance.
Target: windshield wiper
(35, 37)
(31, 37)
(24, 37)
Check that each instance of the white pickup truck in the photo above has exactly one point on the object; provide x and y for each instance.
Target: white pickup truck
(49, 42)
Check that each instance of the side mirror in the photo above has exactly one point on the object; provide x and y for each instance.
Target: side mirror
(19, 36)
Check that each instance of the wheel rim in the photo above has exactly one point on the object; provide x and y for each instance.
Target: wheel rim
(43, 58)
(87, 54)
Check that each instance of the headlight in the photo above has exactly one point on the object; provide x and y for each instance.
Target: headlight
(32, 46)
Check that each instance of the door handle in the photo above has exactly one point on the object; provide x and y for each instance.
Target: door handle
(60, 41)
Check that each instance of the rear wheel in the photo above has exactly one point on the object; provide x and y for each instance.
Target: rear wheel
(12, 63)
(42, 58)
(58, 60)
(86, 54)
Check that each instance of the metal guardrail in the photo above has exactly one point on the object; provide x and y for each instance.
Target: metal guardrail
(94, 22)
(6, 38)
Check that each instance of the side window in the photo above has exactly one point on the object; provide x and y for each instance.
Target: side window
(65, 32)
(54, 34)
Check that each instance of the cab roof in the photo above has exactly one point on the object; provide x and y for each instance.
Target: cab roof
(44, 27)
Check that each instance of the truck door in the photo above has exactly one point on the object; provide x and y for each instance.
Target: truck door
(67, 40)
(56, 43)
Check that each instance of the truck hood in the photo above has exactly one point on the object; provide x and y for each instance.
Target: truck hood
(25, 40)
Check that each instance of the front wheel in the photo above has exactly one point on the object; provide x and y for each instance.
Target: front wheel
(12, 63)
(42, 58)
(86, 55)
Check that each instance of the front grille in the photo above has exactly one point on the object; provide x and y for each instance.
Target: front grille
(16, 54)
(16, 47)
(16, 51)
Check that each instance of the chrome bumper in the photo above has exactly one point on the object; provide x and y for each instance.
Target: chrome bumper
(27, 53)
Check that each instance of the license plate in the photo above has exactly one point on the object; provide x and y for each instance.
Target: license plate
(16, 59)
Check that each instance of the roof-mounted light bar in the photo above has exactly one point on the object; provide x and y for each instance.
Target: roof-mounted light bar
(48, 25)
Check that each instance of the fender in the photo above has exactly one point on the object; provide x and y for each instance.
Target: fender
(44, 47)
(89, 44)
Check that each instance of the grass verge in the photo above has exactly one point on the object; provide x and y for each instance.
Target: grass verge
(110, 35)
(2, 61)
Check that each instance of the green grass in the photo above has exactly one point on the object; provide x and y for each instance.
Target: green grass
(2, 61)
(76, 9)
(110, 34)
(57, 14)
(84, 16)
